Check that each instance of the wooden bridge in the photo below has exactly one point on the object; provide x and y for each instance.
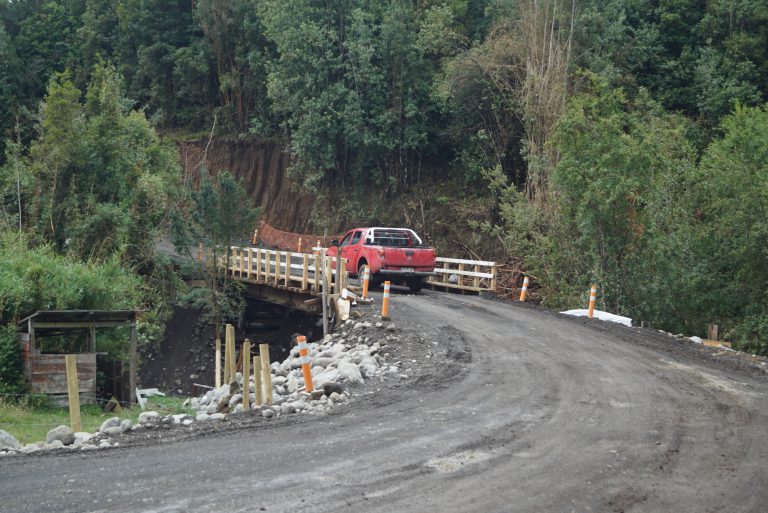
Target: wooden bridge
(283, 277)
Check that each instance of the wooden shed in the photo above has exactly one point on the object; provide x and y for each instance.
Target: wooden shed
(44, 367)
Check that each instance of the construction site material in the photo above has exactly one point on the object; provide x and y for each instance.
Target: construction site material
(592, 299)
(524, 290)
(385, 302)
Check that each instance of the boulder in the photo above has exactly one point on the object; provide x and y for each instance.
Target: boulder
(333, 386)
(330, 375)
(268, 413)
(235, 400)
(110, 423)
(8, 441)
(126, 425)
(218, 417)
(148, 417)
(61, 433)
(350, 372)
(112, 431)
(368, 367)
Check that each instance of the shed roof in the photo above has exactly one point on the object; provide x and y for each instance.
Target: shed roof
(79, 318)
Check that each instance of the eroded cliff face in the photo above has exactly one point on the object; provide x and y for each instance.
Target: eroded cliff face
(261, 166)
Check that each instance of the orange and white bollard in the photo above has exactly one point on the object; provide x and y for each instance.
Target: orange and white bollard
(304, 359)
(592, 299)
(366, 279)
(524, 290)
(255, 236)
(385, 303)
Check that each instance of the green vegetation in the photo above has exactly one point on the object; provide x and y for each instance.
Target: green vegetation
(612, 141)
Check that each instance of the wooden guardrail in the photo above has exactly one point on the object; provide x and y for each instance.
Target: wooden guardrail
(472, 275)
(283, 269)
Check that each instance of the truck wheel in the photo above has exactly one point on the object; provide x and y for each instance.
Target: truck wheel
(415, 284)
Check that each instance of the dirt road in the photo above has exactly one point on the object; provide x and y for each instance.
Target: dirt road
(506, 409)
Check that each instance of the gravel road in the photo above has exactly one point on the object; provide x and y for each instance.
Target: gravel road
(505, 408)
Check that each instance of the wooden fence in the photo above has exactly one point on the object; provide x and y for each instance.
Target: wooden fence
(282, 269)
(472, 275)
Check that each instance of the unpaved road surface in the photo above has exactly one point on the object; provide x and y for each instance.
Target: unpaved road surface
(504, 409)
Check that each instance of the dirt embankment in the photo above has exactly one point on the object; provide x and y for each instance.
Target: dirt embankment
(261, 166)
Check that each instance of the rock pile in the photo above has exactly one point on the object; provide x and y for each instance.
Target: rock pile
(350, 356)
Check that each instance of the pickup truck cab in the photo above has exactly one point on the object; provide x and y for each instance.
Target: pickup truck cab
(394, 254)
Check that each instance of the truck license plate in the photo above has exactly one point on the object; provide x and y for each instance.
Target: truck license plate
(407, 269)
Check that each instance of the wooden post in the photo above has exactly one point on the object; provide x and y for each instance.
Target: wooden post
(446, 275)
(132, 368)
(242, 263)
(265, 373)
(305, 272)
(249, 268)
(246, 374)
(318, 274)
(277, 268)
(460, 277)
(288, 259)
(712, 330)
(227, 358)
(493, 280)
(326, 329)
(299, 245)
(257, 380)
(217, 364)
(73, 392)
(476, 281)
(232, 354)
(258, 264)
(338, 271)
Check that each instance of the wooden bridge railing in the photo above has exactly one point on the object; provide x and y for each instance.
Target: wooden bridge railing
(473, 275)
(282, 269)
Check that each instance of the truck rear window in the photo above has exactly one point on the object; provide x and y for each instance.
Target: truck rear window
(393, 239)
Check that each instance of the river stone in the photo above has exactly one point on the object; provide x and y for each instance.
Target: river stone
(83, 436)
(368, 367)
(55, 444)
(201, 417)
(110, 423)
(235, 400)
(330, 375)
(114, 430)
(293, 384)
(218, 417)
(333, 386)
(278, 381)
(350, 371)
(324, 362)
(126, 425)
(268, 413)
(8, 441)
(29, 448)
(62, 433)
(148, 417)
(212, 408)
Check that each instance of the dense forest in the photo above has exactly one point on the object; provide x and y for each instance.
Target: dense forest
(620, 142)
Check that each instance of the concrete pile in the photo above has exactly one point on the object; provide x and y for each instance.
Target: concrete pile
(350, 356)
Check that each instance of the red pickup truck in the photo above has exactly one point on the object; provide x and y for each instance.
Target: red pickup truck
(394, 254)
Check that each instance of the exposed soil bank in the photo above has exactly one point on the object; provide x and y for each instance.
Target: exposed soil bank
(187, 353)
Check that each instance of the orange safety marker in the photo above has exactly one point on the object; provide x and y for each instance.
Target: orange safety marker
(304, 359)
(385, 302)
(366, 278)
(592, 299)
(524, 290)
(255, 236)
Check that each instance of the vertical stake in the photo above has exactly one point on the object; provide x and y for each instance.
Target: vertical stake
(265, 373)
(217, 364)
(366, 278)
(257, 380)
(73, 392)
(592, 299)
(304, 359)
(246, 374)
(524, 290)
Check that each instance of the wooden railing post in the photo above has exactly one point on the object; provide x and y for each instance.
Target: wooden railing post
(246, 374)
(265, 373)
(305, 273)
(288, 259)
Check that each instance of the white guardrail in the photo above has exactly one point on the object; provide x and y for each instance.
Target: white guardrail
(456, 273)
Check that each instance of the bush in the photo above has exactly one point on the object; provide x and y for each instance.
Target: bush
(751, 335)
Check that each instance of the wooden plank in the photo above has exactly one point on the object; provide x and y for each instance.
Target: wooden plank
(467, 262)
(73, 394)
(476, 281)
(257, 380)
(471, 274)
(288, 258)
(305, 273)
(249, 254)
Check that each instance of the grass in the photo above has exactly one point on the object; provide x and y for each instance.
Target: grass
(29, 421)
